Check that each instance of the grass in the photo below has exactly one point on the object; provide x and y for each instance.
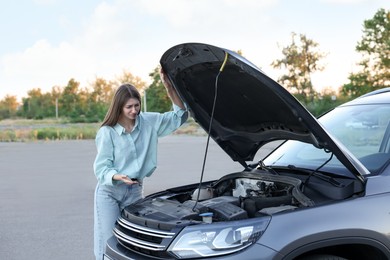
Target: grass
(23, 130)
(26, 130)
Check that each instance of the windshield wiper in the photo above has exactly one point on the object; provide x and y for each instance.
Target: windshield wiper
(316, 171)
(261, 166)
(319, 175)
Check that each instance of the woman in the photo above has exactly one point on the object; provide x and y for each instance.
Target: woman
(127, 153)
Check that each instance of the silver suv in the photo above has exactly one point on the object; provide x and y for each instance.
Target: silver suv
(322, 193)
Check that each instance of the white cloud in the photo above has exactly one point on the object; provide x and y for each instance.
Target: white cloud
(342, 2)
(132, 35)
(214, 14)
(45, 2)
(43, 64)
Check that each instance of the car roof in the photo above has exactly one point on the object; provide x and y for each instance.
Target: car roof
(375, 97)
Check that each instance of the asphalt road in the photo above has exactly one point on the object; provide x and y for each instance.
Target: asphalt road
(46, 191)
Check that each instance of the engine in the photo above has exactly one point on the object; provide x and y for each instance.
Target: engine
(233, 197)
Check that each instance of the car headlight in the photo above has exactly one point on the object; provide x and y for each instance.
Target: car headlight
(215, 239)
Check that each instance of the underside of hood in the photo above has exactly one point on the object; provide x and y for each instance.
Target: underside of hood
(251, 109)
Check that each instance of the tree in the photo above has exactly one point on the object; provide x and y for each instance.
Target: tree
(38, 105)
(99, 99)
(326, 100)
(69, 101)
(375, 50)
(300, 60)
(136, 81)
(8, 107)
(102, 91)
(157, 98)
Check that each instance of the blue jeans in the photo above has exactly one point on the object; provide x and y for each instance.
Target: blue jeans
(109, 202)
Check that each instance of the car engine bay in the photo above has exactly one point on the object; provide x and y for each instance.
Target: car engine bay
(235, 196)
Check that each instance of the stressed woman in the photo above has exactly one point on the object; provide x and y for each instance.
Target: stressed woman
(127, 153)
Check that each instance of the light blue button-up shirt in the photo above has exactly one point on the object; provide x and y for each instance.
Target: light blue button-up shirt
(134, 154)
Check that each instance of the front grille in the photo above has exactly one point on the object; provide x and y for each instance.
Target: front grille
(143, 239)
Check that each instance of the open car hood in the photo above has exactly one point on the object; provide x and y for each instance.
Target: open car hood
(251, 109)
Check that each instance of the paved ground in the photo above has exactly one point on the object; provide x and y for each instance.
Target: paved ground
(46, 192)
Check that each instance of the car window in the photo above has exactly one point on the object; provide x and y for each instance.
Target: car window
(363, 129)
(360, 128)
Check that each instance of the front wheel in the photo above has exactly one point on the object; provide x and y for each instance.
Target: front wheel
(322, 257)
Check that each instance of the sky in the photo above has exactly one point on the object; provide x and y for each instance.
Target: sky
(48, 42)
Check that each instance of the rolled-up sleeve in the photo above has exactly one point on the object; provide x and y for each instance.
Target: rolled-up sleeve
(181, 113)
(170, 121)
(104, 162)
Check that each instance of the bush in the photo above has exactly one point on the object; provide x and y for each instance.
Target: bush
(22, 130)
(7, 136)
(67, 133)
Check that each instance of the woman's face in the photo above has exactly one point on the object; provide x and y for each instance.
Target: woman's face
(131, 109)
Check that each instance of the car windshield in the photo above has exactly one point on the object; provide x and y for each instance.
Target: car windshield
(363, 129)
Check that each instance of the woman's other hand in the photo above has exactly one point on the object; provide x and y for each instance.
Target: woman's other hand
(164, 78)
(123, 178)
(172, 94)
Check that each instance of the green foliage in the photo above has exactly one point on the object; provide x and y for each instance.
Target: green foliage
(375, 45)
(156, 96)
(98, 101)
(359, 84)
(8, 135)
(375, 50)
(69, 101)
(70, 133)
(4, 113)
(127, 77)
(22, 130)
(37, 105)
(33, 132)
(8, 107)
(300, 59)
(323, 104)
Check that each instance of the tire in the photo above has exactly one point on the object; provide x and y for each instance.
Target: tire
(322, 257)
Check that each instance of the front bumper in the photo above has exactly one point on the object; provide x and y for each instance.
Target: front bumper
(114, 251)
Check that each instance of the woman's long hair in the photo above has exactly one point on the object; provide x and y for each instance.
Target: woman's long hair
(122, 95)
